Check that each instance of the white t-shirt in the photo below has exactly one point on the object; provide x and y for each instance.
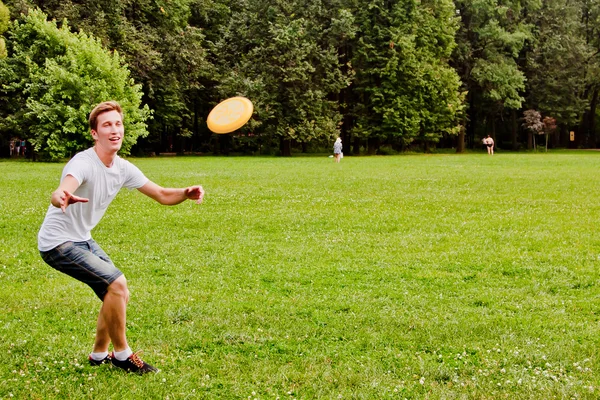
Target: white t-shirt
(100, 185)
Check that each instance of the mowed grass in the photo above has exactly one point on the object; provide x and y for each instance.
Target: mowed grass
(425, 276)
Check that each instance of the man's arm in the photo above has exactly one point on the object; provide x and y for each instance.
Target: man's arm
(170, 197)
(63, 196)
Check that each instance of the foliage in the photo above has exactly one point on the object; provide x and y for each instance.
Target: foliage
(390, 73)
(532, 121)
(555, 57)
(4, 20)
(549, 125)
(58, 77)
(291, 72)
(501, 81)
(490, 39)
(404, 87)
(164, 53)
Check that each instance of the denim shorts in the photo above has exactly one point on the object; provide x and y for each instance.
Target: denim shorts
(86, 262)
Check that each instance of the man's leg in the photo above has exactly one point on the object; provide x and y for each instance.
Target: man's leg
(102, 340)
(86, 262)
(111, 323)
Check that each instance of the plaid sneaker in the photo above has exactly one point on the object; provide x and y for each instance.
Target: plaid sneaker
(133, 364)
(95, 363)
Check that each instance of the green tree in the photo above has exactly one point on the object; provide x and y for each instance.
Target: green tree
(489, 41)
(54, 77)
(404, 88)
(556, 57)
(280, 55)
(590, 17)
(164, 53)
(4, 20)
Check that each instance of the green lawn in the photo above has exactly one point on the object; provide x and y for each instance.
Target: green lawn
(416, 276)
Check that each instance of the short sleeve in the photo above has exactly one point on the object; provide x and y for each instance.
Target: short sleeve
(79, 168)
(135, 178)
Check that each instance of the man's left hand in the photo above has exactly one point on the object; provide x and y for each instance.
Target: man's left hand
(195, 193)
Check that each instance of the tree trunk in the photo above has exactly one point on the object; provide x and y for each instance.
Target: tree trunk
(285, 147)
(356, 147)
(346, 97)
(586, 137)
(346, 128)
(472, 120)
(564, 139)
(493, 123)
(195, 128)
(224, 144)
(460, 141)
(216, 148)
(556, 139)
(514, 130)
(372, 145)
(592, 118)
(426, 147)
(530, 140)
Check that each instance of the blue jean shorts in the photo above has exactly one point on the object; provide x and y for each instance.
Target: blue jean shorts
(86, 262)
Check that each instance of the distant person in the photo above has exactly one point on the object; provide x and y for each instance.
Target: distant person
(337, 150)
(17, 146)
(489, 142)
(23, 147)
(89, 182)
(11, 145)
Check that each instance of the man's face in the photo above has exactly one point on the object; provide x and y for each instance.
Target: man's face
(109, 131)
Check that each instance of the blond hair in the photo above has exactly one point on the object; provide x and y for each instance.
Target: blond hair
(103, 107)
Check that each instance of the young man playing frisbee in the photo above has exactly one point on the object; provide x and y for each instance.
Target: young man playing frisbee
(89, 182)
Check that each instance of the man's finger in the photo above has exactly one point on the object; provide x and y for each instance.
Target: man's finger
(77, 199)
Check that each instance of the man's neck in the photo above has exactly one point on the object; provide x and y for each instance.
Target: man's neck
(107, 158)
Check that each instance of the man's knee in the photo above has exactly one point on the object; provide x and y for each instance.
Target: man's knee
(119, 288)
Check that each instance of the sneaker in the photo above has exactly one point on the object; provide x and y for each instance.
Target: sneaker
(95, 363)
(133, 364)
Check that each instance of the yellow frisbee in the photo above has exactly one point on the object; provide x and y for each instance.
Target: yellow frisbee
(230, 115)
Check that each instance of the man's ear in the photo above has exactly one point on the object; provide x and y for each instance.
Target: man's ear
(94, 134)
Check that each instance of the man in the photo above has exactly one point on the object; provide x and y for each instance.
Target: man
(489, 142)
(89, 182)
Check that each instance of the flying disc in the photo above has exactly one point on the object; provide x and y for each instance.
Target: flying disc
(230, 115)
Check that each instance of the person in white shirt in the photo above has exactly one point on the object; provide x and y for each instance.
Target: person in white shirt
(337, 150)
(89, 182)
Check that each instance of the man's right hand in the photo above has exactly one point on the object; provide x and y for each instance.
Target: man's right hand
(65, 198)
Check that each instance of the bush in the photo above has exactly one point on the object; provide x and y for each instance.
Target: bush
(58, 76)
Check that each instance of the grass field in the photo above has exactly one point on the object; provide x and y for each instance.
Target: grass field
(425, 276)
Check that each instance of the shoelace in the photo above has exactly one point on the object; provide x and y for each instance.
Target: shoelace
(136, 360)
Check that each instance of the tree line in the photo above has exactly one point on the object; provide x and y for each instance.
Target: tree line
(384, 75)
